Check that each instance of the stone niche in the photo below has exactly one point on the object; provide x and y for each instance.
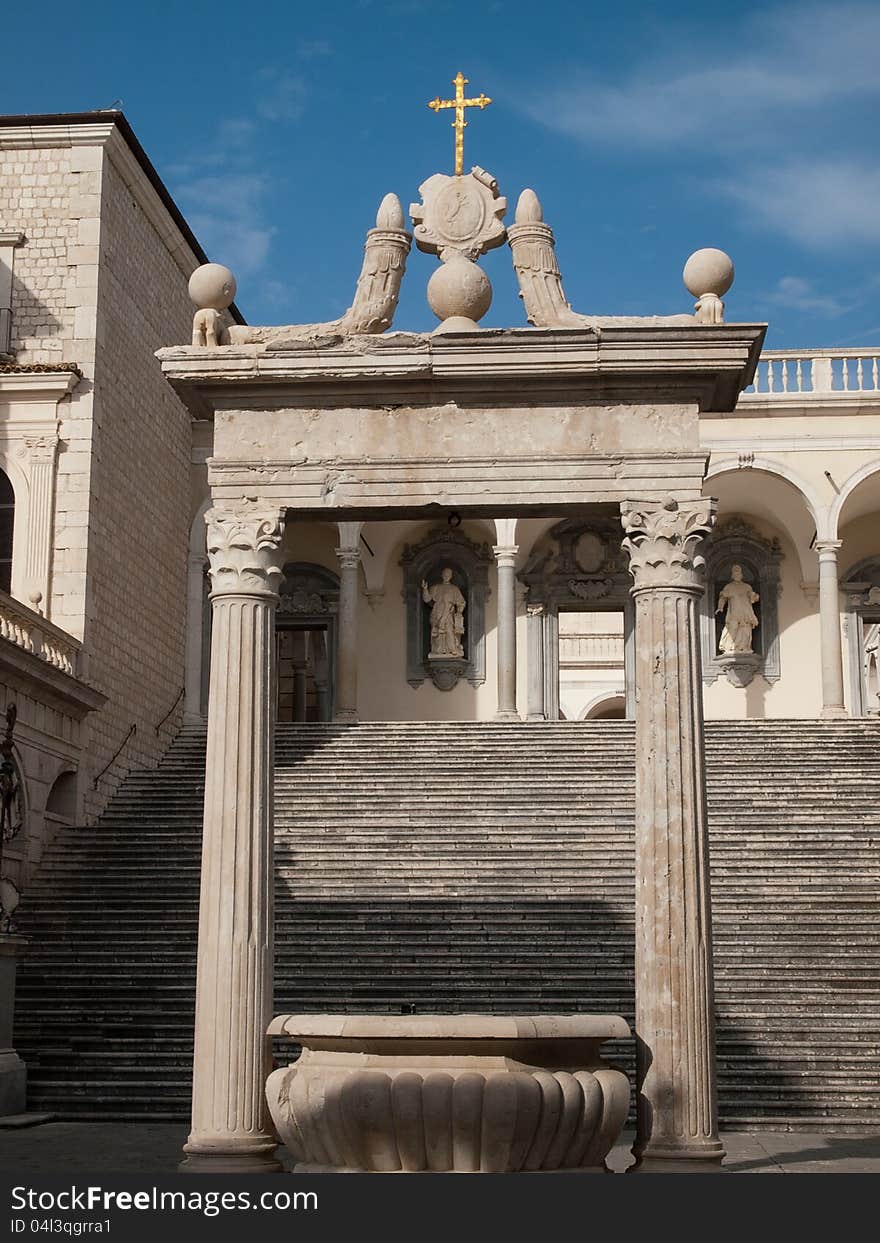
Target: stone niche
(578, 566)
(470, 564)
(736, 542)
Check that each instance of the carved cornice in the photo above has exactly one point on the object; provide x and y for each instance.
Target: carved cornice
(665, 543)
(244, 550)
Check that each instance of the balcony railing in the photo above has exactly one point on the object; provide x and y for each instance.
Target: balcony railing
(33, 633)
(819, 373)
(586, 650)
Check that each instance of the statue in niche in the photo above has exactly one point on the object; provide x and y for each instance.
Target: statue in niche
(737, 598)
(447, 617)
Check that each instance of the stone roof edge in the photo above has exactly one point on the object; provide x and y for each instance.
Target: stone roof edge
(112, 130)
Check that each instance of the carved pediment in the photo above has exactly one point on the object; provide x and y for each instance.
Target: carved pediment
(447, 537)
(737, 528)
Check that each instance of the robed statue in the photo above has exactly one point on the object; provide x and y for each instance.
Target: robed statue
(447, 617)
(735, 600)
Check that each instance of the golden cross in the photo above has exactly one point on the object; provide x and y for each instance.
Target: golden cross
(459, 124)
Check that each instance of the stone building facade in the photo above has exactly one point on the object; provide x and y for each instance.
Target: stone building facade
(95, 258)
(106, 626)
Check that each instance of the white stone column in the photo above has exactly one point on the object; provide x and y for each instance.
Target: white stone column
(349, 556)
(677, 1117)
(505, 559)
(829, 624)
(231, 1129)
(535, 638)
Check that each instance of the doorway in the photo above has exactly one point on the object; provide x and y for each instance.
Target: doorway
(591, 666)
(304, 682)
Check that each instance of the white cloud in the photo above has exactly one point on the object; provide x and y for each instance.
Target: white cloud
(799, 294)
(821, 203)
(227, 216)
(281, 96)
(792, 60)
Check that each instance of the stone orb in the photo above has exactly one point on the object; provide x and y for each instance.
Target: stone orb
(708, 271)
(459, 289)
(212, 287)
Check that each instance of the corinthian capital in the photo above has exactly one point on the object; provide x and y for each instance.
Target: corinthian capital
(664, 542)
(244, 550)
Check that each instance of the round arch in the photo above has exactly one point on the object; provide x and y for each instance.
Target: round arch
(788, 504)
(859, 495)
(609, 706)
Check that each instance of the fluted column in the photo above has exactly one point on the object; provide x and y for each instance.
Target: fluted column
(231, 1129)
(349, 556)
(677, 1116)
(505, 559)
(829, 625)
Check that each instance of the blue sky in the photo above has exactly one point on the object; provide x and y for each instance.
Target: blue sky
(647, 131)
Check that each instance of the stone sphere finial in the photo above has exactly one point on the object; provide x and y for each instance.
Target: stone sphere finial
(390, 213)
(708, 271)
(528, 208)
(459, 293)
(707, 275)
(212, 287)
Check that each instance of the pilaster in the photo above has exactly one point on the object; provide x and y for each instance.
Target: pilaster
(677, 1122)
(349, 556)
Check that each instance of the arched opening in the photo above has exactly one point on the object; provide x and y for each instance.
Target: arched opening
(609, 708)
(61, 803)
(7, 524)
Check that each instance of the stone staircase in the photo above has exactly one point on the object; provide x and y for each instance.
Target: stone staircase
(475, 867)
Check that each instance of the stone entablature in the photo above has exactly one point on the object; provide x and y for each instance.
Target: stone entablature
(489, 422)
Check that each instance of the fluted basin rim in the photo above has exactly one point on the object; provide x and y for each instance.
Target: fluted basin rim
(449, 1027)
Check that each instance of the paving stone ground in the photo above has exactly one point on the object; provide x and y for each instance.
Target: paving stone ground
(154, 1148)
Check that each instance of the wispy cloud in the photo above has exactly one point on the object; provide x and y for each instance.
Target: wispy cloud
(227, 214)
(798, 294)
(796, 58)
(820, 203)
(281, 95)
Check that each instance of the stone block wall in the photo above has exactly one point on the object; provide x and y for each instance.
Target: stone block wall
(135, 554)
(100, 281)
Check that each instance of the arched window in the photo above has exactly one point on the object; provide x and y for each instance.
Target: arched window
(7, 519)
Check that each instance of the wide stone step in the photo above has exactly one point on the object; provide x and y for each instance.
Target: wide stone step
(525, 898)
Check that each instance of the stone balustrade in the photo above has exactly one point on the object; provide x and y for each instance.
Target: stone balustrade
(816, 373)
(589, 650)
(433, 1093)
(33, 633)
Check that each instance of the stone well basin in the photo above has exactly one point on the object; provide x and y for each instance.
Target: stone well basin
(464, 1093)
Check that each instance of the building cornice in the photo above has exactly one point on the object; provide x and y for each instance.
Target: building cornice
(37, 385)
(703, 365)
